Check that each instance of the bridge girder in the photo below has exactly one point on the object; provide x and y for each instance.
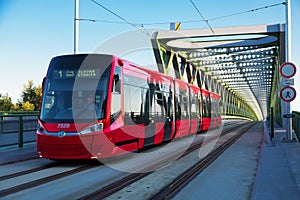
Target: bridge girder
(239, 63)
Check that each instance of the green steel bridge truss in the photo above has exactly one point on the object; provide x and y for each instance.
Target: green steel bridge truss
(239, 63)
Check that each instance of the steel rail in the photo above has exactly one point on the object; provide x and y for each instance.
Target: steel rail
(126, 181)
(16, 161)
(183, 179)
(28, 171)
(41, 181)
(103, 192)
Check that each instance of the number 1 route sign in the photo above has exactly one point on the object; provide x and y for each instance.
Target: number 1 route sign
(288, 94)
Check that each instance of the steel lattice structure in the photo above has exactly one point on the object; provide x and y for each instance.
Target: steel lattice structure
(240, 63)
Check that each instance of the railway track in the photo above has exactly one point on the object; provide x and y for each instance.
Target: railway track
(109, 188)
(28, 171)
(41, 181)
(184, 178)
(118, 185)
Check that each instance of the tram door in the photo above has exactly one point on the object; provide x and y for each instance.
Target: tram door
(168, 123)
(159, 126)
(150, 119)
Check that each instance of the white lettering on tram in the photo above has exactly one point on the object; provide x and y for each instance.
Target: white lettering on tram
(63, 125)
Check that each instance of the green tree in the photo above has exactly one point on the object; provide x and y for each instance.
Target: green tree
(17, 107)
(27, 106)
(5, 103)
(30, 97)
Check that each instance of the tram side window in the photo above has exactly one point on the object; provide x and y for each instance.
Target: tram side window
(212, 111)
(133, 105)
(214, 107)
(116, 95)
(200, 100)
(158, 108)
(194, 107)
(169, 103)
(185, 106)
(219, 107)
(182, 104)
(205, 109)
(208, 106)
(178, 108)
(117, 80)
(182, 107)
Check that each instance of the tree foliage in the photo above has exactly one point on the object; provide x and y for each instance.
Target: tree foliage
(28, 106)
(5, 103)
(31, 96)
(30, 99)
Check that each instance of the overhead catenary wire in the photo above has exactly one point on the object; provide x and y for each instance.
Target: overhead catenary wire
(205, 20)
(122, 18)
(102, 21)
(137, 25)
(145, 30)
(248, 11)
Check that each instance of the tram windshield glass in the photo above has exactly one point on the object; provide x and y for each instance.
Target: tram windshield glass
(76, 90)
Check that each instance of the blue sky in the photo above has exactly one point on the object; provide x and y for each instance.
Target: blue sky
(34, 31)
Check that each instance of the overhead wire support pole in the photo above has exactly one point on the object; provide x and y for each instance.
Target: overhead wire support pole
(288, 59)
(76, 26)
(288, 30)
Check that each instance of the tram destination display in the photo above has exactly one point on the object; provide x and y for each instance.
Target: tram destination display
(74, 73)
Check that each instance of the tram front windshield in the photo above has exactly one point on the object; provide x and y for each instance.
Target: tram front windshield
(75, 95)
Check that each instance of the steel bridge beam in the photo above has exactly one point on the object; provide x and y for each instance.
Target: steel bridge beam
(228, 67)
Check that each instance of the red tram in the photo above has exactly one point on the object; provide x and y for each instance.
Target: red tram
(96, 106)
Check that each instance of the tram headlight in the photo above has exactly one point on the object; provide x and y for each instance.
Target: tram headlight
(92, 129)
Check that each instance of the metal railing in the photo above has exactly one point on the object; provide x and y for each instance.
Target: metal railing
(296, 123)
(12, 123)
